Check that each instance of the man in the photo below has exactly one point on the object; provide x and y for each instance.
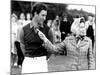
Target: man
(79, 51)
(31, 44)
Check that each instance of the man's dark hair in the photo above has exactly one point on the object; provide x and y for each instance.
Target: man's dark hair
(37, 7)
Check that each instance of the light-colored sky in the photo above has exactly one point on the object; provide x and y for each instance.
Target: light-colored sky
(90, 9)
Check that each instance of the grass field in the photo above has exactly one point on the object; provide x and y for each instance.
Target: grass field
(53, 64)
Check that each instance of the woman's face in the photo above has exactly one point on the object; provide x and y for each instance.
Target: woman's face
(22, 16)
(82, 29)
(28, 16)
(49, 23)
(65, 19)
(90, 18)
(13, 19)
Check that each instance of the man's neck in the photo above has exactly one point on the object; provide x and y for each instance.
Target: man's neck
(33, 23)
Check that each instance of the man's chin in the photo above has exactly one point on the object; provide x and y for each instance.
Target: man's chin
(41, 23)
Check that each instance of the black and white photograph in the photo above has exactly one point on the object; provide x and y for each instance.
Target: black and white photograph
(51, 37)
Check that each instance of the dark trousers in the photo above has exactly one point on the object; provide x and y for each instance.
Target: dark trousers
(19, 53)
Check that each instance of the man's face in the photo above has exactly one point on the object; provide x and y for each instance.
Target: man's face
(41, 16)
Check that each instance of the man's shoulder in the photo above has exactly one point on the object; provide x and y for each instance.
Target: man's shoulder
(21, 29)
(45, 26)
(27, 25)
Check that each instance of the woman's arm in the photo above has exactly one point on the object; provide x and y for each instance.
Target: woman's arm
(49, 46)
(91, 57)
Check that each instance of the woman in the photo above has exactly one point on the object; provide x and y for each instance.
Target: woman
(14, 38)
(28, 18)
(79, 51)
(22, 21)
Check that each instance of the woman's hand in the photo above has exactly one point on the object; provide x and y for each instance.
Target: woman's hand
(41, 35)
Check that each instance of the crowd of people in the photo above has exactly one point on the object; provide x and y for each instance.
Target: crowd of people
(33, 41)
(16, 24)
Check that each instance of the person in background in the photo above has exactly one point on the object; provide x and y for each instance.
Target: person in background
(49, 23)
(13, 39)
(65, 28)
(94, 27)
(56, 32)
(79, 50)
(15, 44)
(21, 20)
(21, 23)
(28, 18)
(90, 29)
